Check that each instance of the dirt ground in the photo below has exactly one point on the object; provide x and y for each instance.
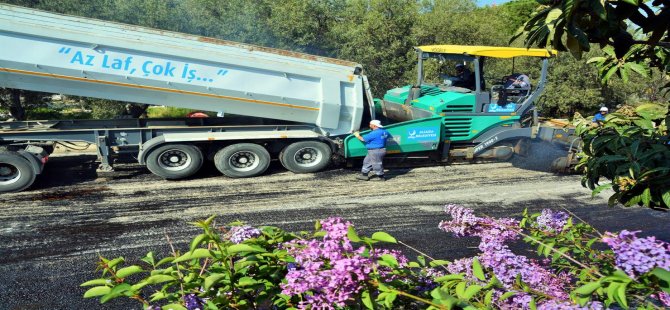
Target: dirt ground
(51, 234)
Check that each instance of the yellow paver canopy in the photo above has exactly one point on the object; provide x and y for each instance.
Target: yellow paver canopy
(488, 51)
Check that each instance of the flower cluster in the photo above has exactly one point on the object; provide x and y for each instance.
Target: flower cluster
(552, 221)
(494, 233)
(636, 255)
(497, 256)
(330, 269)
(238, 234)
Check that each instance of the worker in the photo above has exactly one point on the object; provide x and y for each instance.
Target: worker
(464, 77)
(375, 142)
(600, 116)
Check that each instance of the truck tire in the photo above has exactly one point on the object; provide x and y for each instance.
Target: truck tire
(305, 156)
(242, 160)
(175, 161)
(16, 174)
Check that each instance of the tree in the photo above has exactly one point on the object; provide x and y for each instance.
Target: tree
(378, 34)
(631, 149)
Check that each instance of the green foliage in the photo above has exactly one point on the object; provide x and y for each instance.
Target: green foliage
(631, 151)
(252, 274)
(169, 112)
(633, 34)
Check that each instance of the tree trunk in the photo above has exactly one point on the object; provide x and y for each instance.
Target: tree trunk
(15, 108)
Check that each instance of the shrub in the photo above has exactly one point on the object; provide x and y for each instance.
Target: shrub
(631, 151)
(242, 267)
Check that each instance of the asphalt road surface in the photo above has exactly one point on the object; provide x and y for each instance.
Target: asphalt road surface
(51, 235)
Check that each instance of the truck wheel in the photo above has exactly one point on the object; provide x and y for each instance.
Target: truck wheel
(16, 174)
(175, 161)
(242, 160)
(305, 156)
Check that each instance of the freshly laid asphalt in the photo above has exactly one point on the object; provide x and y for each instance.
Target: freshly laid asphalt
(52, 234)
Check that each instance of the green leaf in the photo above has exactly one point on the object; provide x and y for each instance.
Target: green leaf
(646, 196)
(149, 259)
(384, 237)
(165, 260)
(488, 298)
(532, 305)
(197, 254)
(115, 262)
(128, 271)
(612, 290)
(101, 281)
(97, 291)
(664, 276)
(209, 220)
(506, 295)
(587, 289)
(213, 279)
(367, 301)
(390, 260)
(352, 235)
(471, 291)
(477, 270)
(460, 289)
(159, 278)
(173, 307)
(422, 260)
(246, 281)
(390, 298)
(240, 248)
(621, 296)
(196, 241)
(413, 265)
(638, 68)
(449, 277)
(438, 262)
(116, 292)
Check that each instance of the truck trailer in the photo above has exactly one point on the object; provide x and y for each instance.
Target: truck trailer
(272, 104)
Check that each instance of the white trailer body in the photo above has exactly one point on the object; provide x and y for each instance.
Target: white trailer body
(56, 53)
(294, 107)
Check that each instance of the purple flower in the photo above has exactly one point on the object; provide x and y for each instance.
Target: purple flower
(567, 305)
(328, 272)
(496, 255)
(240, 233)
(636, 255)
(193, 302)
(664, 298)
(552, 221)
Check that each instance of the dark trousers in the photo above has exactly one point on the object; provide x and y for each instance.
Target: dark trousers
(374, 161)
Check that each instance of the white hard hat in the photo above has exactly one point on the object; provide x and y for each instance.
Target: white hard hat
(603, 109)
(376, 123)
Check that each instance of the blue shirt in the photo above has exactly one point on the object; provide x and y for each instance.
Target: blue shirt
(599, 118)
(376, 139)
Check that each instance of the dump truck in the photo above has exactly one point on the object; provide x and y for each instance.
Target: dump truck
(272, 104)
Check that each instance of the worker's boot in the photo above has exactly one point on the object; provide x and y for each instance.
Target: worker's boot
(362, 177)
(378, 178)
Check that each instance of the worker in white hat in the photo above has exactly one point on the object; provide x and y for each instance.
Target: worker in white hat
(375, 142)
(600, 117)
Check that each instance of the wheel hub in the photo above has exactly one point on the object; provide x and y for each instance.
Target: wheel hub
(174, 160)
(9, 174)
(244, 161)
(307, 156)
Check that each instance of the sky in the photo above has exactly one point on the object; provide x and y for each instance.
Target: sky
(489, 2)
